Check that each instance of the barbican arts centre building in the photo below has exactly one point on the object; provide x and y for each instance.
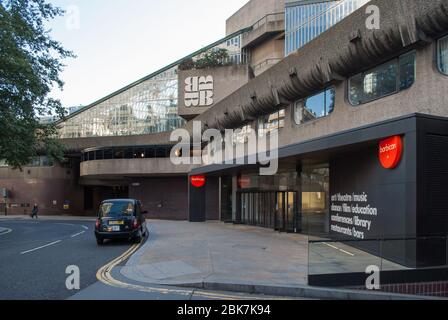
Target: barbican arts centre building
(354, 90)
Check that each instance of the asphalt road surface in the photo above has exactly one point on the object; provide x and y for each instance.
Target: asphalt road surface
(34, 256)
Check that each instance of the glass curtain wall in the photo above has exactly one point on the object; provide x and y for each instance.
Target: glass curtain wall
(305, 22)
(150, 106)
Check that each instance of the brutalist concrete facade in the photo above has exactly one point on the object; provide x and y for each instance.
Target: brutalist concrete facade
(329, 60)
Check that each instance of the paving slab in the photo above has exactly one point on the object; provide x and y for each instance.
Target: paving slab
(227, 257)
(182, 252)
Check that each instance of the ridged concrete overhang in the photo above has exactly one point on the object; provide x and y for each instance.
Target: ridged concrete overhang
(347, 48)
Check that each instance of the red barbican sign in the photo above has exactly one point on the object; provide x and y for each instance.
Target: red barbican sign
(197, 181)
(391, 151)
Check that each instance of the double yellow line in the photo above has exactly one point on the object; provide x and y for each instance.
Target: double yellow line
(104, 275)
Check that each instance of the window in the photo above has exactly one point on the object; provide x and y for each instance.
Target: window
(118, 153)
(442, 55)
(41, 161)
(46, 162)
(108, 154)
(315, 107)
(389, 78)
(150, 153)
(99, 155)
(270, 122)
(116, 209)
(241, 135)
(128, 153)
(139, 153)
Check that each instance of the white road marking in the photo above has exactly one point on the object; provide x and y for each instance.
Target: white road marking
(42, 247)
(346, 252)
(336, 248)
(86, 228)
(78, 234)
(5, 232)
(331, 246)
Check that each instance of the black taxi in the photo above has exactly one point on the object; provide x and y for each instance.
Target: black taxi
(120, 219)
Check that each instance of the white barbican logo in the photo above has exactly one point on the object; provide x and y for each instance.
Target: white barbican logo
(387, 148)
(199, 91)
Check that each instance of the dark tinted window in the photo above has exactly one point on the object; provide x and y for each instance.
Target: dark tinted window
(389, 78)
(118, 153)
(442, 55)
(139, 153)
(407, 70)
(129, 153)
(99, 155)
(150, 153)
(116, 209)
(108, 154)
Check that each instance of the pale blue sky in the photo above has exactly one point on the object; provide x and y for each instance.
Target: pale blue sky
(120, 41)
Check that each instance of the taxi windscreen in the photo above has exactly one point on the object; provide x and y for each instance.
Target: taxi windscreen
(116, 209)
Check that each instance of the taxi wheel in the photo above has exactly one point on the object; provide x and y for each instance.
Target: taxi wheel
(138, 238)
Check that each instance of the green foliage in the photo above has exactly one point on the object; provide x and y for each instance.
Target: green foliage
(187, 64)
(209, 59)
(30, 64)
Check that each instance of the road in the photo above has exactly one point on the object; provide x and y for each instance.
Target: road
(34, 256)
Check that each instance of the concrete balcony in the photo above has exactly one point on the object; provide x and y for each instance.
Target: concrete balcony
(121, 168)
(265, 28)
(265, 65)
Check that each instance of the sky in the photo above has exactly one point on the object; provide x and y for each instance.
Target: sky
(120, 41)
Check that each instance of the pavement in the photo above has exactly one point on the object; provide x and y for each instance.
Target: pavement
(179, 253)
(227, 257)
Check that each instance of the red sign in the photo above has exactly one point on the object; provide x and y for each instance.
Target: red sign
(244, 182)
(197, 181)
(391, 151)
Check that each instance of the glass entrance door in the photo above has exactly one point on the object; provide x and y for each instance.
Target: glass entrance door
(280, 212)
(291, 212)
(275, 210)
(315, 199)
(286, 213)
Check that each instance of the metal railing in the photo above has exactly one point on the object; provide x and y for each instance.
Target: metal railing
(271, 17)
(267, 62)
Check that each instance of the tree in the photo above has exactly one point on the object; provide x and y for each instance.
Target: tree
(209, 59)
(30, 65)
(213, 58)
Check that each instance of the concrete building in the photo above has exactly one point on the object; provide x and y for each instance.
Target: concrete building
(361, 116)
